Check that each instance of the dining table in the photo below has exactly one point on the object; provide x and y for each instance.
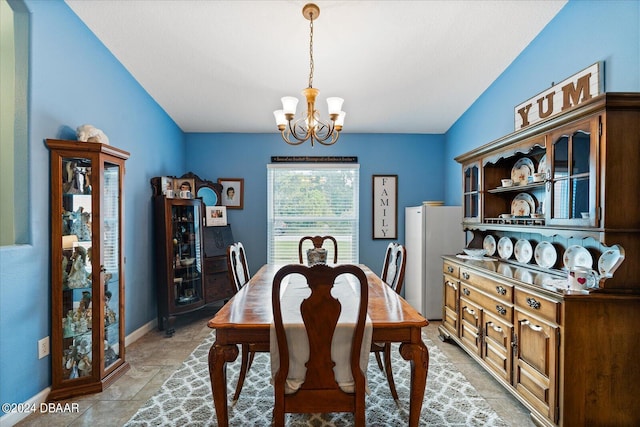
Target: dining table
(246, 319)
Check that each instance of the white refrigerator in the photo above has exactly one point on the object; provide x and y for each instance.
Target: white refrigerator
(430, 232)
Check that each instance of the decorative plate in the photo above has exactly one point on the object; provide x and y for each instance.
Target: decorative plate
(489, 244)
(209, 197)
(522, 170)
(545, 255)
(610, 260)
(523, 251)
(520, 208)
(542, 165)
(577, 256)
(505, 247)
(526, 197)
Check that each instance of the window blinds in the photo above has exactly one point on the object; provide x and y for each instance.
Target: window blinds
(309, 200)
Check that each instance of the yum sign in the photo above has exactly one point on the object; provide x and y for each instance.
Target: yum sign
(573, 91)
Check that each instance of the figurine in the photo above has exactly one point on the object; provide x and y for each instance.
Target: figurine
(89, 133)
(78, 276)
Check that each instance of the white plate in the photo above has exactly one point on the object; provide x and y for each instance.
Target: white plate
(516, 203)
(577, 256)
(522, 170)
(489, 244)
(523, 251)
(545, 255)
(542, 165)
(505, 247)
(610, 260)
(520, 208)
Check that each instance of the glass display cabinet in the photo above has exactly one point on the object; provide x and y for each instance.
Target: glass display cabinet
(179, 269)
(87, 265)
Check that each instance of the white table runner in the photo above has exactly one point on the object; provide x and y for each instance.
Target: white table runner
(293, 290)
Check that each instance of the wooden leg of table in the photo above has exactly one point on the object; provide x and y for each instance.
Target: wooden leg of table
(418, 355)
(219, 355)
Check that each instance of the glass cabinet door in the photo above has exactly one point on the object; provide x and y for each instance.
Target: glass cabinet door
(110, 268)
(77, 268)
(471, 192)
(572, 176)
(187, 260)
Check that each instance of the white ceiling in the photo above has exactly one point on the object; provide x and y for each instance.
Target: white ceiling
(401, 66)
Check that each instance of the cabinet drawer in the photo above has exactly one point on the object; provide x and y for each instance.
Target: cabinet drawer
(496, 307)
(450, 269)
(496, 289)
(537, 305)
(470, 326)
(215, 264)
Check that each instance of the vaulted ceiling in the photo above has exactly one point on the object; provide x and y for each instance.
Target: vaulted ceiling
(401, 66)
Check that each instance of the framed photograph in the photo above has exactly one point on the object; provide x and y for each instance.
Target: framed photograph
(216, 216)
(385, 206)
(167, 186)
(183, 188)
(232, 192)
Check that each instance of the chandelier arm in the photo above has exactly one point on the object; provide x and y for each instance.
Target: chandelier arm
(285, 135)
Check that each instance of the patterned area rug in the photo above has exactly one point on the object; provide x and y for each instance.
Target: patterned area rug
(186, 398)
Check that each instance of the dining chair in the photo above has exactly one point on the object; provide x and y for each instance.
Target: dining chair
(319, 391)
(393, 267)
(318, 242)
(238, 271)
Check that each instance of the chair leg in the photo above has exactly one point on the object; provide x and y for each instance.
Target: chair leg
(389, 371)
(244, 367)
(377, 353)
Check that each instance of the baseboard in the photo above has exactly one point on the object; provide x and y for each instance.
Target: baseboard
(13, 418)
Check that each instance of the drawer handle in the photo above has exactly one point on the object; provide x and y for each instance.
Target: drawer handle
(494, 327)
(451, 285)
(466, 291)
(470, 311)
(465, 275)
(450, 269)
(532, 327)
(501, 290)
(501, 310)
(531, 302)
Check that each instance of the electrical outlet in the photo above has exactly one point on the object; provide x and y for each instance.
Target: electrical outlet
(43, 347)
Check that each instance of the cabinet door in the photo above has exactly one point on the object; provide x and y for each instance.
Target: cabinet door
(186, 223)
(496, 345)
(572, 173)
(450, 306)
(470, 325)
(471, 192)
(536, 363)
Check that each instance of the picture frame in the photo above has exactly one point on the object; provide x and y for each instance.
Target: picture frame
(167, 186)
(232, 192)
(183, 188)
(385, 206)
(216, 216)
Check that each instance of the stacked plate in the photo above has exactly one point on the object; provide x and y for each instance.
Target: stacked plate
(522, 170)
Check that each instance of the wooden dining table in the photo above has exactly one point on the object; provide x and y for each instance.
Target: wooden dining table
(247, 317)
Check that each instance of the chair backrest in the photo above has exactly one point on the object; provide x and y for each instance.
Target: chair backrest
(395, 261)
(320, 312)
(237, 267)
(318, 242)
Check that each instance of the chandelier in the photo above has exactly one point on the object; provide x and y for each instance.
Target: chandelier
(310, 127)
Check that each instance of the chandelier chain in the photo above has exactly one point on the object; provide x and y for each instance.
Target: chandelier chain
(311, 50)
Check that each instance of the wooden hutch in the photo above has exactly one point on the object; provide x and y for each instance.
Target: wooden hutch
(568, 356)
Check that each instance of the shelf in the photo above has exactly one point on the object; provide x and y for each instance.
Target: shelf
(517, 188)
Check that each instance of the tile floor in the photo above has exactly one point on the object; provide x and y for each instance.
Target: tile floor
(153, 358)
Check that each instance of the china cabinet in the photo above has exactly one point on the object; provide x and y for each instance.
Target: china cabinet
(87, 267)
(552, 200)
(191, 265)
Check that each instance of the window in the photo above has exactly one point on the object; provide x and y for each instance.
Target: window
(309, 200)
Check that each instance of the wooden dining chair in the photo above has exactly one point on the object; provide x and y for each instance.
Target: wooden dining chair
(320, 393)
(318, 242)
(393, 267)
(238, 271)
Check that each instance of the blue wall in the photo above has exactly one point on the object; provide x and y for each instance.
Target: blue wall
(75, 80)
(417, 160)
(581, 34)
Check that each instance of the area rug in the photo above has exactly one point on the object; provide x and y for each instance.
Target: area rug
(186, 398)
